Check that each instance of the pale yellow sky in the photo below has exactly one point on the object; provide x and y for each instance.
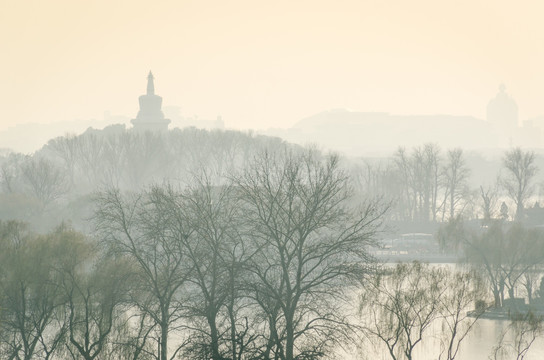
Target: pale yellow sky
(264, 64)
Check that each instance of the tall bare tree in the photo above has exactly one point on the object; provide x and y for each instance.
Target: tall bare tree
(486, 252)
(145, 230)
(464, 292)
(421, 174)
(489, 198)
(455, 176)
(215, 253)
(310, 244)
(523, 250)
(520, 172)
(95, 291)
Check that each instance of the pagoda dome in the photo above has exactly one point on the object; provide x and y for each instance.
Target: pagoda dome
(502, 110)
(150, 117)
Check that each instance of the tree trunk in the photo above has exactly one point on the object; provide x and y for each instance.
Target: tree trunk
(233, 345)
(214, 336)
(511, 292)
(164, 339)
(497, 298)
(289, 336)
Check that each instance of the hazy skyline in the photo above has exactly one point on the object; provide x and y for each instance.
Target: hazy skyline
(262, 64)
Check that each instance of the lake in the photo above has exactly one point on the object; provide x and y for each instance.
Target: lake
(479, 344)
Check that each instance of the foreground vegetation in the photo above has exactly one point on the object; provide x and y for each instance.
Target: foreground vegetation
(222, 245)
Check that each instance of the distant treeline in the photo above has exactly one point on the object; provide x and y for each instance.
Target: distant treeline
(54, 183)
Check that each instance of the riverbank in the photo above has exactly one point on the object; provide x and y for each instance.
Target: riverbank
(424, 258)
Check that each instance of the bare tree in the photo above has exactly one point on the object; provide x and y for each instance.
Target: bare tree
(31, 308)
(398, 305)
(421, 174)
(464, 291)
(455, 176)
(11, 172)
(409, 192)
(91, 147)
(151, 236)
(95, 290)
(521, 170)
(451, 235)
(309, 246)
(214, 217)
(489, 197)
(486, 252)
(47, 182)
(432, 175)
(66, 147)
(523, 250)
(530, 281)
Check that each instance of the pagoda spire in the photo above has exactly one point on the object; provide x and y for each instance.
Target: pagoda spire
(150, 117)
(150, 84)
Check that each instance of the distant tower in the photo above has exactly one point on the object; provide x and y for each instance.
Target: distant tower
(150, 116)
(502, 112)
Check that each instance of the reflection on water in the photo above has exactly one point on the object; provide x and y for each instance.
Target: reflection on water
(483, 338)
(479, 344)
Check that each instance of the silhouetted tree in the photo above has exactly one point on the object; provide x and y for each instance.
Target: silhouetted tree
(95, 289)
(464, 292)
(66, 147)
(523, 250)
(489, 198)
(455, 177)
(451, 235)
(519, 176)
(144, 230)
(486, 251)
(217, 255)
(506, 256)
(309, 245)
(398, 305)
(421, 176)
(46, 181)
(32, 320)
(11, 172)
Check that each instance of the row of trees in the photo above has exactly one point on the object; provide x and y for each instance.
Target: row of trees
(166, 288)
(260, 266)
(58, 296)
(424, 184)
(71, 165)
(511, 257)
(427, 185)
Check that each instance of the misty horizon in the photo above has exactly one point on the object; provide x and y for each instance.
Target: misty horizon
(337, 129)
(268, 65)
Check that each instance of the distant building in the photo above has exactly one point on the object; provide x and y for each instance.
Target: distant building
(502, 112)
(150, 117)
(181, 121)
(356, 133)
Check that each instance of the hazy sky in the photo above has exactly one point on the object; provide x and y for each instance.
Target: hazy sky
(264, 64)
